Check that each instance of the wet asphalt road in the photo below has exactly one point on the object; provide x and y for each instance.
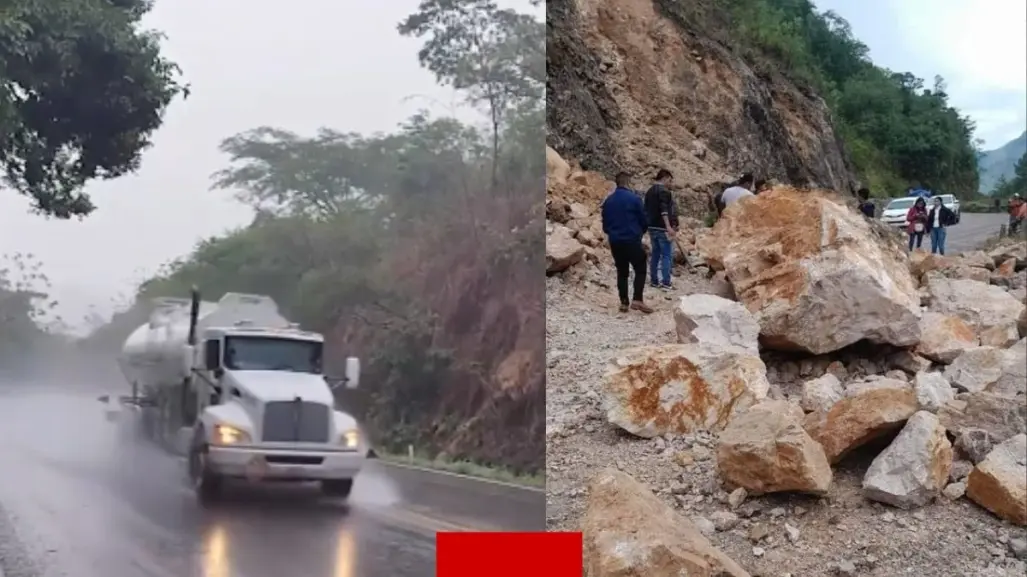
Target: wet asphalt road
(81, 498)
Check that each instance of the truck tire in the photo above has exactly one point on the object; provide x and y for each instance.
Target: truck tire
(206, 484)
(337, 487)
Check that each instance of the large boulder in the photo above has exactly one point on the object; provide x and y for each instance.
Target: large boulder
(628, 532)
(855, 421)
(944, 337)
(999, 482)
(675, 389)
(766, 450)
(999, 415)
(999, 371)
(985, 307)
(716, 321)
(817, 276)
(913, 470)
(562, 249)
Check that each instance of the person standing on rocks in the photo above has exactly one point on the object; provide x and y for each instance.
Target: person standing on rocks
(939, 218)
(662, 215)
(624, 223)
(916, 220)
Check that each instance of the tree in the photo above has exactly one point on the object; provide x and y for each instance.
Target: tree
(496, 56)
(83, 89)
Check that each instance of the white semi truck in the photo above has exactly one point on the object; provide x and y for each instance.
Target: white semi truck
(243, 390)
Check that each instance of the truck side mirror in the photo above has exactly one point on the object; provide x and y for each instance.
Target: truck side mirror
(212, 354)
(352, 372)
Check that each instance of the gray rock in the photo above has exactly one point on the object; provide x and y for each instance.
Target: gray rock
(822, 393)
(912, 471)
(960, 470)
(932, 391)
(975, 444)
(954, 491)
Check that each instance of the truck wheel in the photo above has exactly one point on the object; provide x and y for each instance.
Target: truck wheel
(337, 487)
(206, 484)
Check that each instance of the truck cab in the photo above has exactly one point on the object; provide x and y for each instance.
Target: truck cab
(265, 411)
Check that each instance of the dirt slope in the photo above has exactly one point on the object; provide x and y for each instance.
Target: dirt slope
(639, 84)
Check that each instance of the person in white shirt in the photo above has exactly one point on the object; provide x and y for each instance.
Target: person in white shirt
(742, 189)
(939, 218)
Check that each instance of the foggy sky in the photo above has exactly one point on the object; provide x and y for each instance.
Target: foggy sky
(297, 66)
(976, 45)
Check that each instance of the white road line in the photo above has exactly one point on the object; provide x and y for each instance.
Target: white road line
(518, 486)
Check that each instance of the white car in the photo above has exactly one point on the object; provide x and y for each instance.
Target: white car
(894, 213)
(950, 202)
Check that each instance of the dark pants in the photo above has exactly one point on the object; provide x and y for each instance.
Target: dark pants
(917, 238)
(627, 256)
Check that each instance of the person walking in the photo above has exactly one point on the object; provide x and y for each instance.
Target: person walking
(662, 218)
(916, 220)
(939, 218)
(624, 223)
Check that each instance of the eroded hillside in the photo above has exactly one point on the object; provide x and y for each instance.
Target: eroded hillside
(640, 84)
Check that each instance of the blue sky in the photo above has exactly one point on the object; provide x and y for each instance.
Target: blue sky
(978, 46)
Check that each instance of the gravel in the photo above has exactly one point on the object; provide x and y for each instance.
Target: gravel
(771, 536)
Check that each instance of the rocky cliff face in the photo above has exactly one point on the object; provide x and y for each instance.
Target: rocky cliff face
(643, 84)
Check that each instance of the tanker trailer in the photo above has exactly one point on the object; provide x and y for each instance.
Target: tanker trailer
(244, 388)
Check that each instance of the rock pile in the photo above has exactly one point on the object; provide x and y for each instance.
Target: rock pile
(942, 409)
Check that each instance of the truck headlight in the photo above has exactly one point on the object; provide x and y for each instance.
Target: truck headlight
(350, 439)
(229, 435)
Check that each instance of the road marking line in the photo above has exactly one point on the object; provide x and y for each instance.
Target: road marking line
(420, 523)
(518, 486)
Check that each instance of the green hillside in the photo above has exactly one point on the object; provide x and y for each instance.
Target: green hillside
(1000, 162)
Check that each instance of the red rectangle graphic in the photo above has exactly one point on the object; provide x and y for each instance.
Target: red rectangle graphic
(508, 554)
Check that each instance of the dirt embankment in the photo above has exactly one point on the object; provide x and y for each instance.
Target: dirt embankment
(643, 84)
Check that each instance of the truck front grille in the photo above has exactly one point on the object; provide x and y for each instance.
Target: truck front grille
(295, 421)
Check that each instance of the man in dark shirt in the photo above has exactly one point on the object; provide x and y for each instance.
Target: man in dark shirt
(866, 206)
(624, 222)
(662, 216)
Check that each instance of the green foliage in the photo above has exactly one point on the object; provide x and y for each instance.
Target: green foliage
(83, 88)
(417, 249)
(898, 132)
(24, 304)
(496, 57)
(1005, 188)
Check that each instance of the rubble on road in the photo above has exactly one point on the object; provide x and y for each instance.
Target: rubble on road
(786, 416)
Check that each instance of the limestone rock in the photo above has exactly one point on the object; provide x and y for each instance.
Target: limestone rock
(656, 390)
(557, 169)
(999, 371)
(877, 382)
(907, 361)
(982, 306)
(1000, 336)
(859, 419)
(822, 393)
(915, 466)
(1021, 324)
(628, 532)
(817, 276)
(933, 391)
(1000, 416)
(975, 444)
(562, 250)
(716, 321)
(979, 259)
(944, 337)
(766, 450)
(999, 482)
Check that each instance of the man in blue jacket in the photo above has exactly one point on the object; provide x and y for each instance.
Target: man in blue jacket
(624, 222)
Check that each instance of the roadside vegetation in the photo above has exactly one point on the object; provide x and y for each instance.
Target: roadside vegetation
(899, 130)
(416, 249)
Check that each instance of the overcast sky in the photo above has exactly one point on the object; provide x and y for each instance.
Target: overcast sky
(298, 66)
(978, 46)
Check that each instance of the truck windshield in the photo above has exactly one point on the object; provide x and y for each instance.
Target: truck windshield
(272, 354)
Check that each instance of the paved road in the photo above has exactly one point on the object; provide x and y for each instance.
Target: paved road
(79, 500)
(972, 230)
